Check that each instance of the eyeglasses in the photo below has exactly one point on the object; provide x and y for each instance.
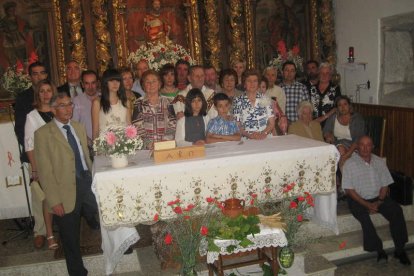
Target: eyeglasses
(64, 105)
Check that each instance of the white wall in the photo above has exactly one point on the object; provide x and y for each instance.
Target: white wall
(357, 24)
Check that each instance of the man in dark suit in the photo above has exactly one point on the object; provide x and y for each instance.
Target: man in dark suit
(24, 103)
(72, 86)
(64, 166)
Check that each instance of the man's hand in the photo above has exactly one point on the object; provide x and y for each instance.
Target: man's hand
(59, 210)
(372, 207)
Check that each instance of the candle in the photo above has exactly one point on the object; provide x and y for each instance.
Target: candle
(351, 52)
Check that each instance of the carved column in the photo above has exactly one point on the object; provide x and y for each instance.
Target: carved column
(77, 41)
(213, 42)
(119, 13)
(194, 38)
(102, 35)
(250, 37)
(315, 54)
(328, 32)
(236, 31)
(59, 38)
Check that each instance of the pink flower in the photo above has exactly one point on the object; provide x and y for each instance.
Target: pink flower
(19, 66)
(156, 217)
(299, 218)
(110, 138)
(168, 239)
(131, 131)
(296, 50)
(204, 230)
(293, 205)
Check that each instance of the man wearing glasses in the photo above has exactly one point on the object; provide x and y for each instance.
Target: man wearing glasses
(64, 166)
(24, 103)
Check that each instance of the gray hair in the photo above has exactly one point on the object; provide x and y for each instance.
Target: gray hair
(55, 97)
(269, 68)
(327, 65)
(302, 105)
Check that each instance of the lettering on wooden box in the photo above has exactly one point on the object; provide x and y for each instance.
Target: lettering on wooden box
(181, 153)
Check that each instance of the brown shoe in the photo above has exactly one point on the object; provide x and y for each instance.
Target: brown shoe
(39, 241)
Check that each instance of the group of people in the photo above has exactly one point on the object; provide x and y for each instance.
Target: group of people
(193, 105)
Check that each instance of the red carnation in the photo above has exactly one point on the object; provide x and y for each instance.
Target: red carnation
(186, 217)
(296, 50)
(19, 66)
(281, 47)
(301, 198)
(171, 203)
(178, 210)
(162, 49)
(267, 191)
(204, 230)
(251, 201)
(293, 205)
(210, 199)
(168, 239)
(299, 218)
(156, 217)
(186, 58)
(189, 207)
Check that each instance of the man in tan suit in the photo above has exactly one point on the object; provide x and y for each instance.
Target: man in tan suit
(64, 170)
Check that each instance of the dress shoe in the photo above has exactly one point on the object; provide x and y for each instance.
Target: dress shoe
(382, 257)
(39, 241)
(402, 256)
(93, 224)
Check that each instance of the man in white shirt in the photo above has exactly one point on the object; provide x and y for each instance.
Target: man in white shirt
(83, 102)
(196, 78)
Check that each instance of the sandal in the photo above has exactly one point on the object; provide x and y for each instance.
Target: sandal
(52, 244)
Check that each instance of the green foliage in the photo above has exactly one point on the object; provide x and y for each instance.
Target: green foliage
(233, 229)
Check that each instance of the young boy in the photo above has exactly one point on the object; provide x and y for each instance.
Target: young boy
(223, 127)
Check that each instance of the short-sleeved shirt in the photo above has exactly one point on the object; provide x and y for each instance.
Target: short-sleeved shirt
(365, 178)
(252, 118)
(221, 126)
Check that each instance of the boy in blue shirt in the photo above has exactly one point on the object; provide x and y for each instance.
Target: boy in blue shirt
(223, 127)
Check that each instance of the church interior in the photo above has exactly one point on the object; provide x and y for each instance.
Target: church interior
(369, 46)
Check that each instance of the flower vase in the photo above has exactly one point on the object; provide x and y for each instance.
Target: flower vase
(188, 269)
(286, 257)
(119, 161)
(188, 262)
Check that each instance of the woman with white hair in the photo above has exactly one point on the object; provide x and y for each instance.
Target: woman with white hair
(323, 94)
(305, 126)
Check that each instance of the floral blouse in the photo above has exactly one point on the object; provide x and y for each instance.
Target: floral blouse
(323, 102)
(252, 118)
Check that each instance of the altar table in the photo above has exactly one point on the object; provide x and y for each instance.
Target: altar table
(137, 193)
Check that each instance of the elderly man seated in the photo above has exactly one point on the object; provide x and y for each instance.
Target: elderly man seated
(365, 180)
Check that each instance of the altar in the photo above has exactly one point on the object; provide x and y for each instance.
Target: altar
(135, 194)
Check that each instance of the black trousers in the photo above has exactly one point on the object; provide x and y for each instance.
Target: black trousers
(69, 225)
(391, 211)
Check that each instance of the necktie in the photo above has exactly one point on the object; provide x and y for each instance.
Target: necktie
(74, 145)
(74, 91)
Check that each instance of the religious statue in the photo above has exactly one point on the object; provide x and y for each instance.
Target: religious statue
(15, 38)
(156, 27)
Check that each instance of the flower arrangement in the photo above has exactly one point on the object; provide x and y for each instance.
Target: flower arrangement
(159, 54)
(15, 80)
(187, 230)
(117, 141)
(287, 55)
(293, 210)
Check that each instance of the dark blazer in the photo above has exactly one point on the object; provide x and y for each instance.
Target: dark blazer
(56, 163)
(22, 107)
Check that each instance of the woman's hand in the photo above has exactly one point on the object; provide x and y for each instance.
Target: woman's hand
(259, 135)
(329, 138)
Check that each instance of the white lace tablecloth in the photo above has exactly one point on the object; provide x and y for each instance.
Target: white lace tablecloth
(133, 195)
(266, 238)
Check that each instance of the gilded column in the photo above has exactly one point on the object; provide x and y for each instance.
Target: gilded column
(315, 54)
(194, 37)
(213, 40)
(77, 41)
(59, 39)
(119, 8)
(328, 32)
(102, 35)
(236, 31)
(250, 38)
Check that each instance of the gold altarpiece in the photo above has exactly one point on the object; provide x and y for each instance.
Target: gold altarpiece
(96, 32)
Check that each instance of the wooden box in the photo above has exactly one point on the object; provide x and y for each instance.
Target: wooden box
(182, 153)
